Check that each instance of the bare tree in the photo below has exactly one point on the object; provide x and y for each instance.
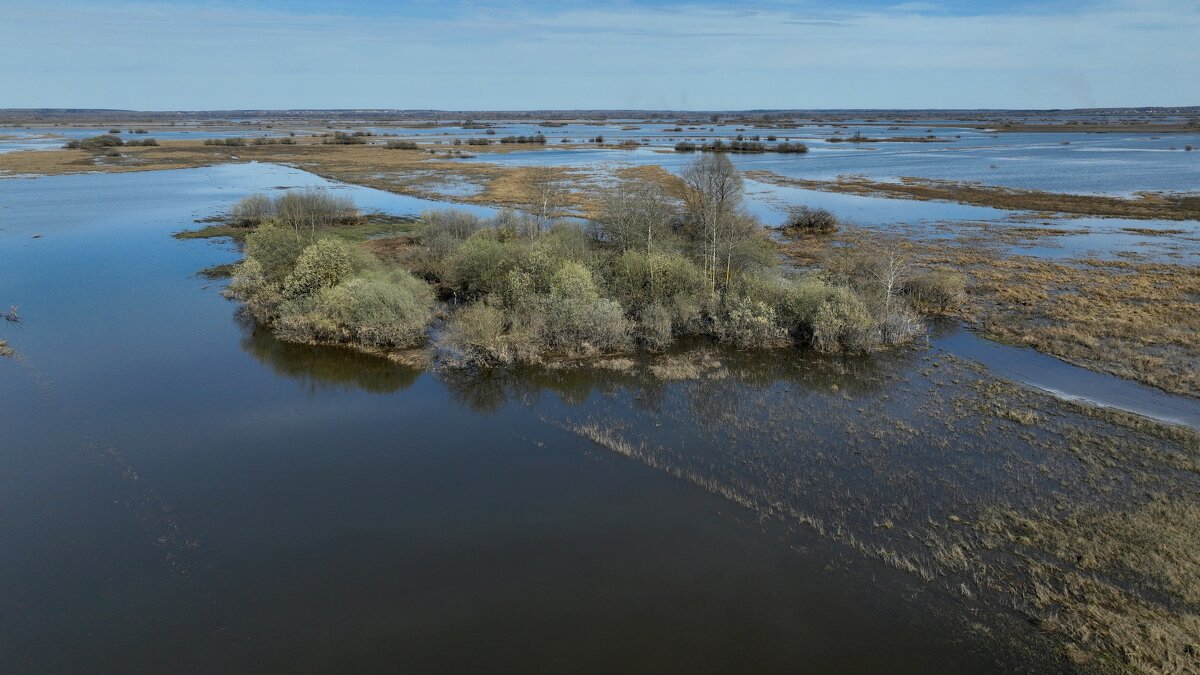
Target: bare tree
(547, 194)
(889, 270)
(713, 192)
(636, 215)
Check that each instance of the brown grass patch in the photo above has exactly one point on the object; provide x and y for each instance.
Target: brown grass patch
(1136, 320)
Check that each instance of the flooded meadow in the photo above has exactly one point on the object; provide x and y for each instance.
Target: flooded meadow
(180, 490)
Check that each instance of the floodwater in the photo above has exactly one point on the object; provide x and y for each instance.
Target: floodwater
(13, 139)
(1080, 162)
(1071, 162)
(181, 492)
(1089, 237)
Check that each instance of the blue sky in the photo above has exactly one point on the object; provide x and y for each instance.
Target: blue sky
(485, 54)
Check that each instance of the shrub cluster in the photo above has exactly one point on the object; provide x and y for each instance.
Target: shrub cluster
(402, 145)
(647, 271)
(347, 138)
(317, 289)
(739, 146)
(936, 291)
(787, 147)
(810, 220)
(537, 139)
(308, 209)
(233, 141)
(95, 143)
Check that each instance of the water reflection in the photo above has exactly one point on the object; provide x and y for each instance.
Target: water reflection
(320, 368)
(574, 384)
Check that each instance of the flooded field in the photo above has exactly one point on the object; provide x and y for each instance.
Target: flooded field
(178, 485)
(1079, 162)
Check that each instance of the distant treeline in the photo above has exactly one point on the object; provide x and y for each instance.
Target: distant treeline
(538, 139)
(106, 141)
(740, 147)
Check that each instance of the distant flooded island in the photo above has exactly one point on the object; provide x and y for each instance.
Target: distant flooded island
(627, 337)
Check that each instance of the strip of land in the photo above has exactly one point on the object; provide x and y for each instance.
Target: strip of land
(1146, 206)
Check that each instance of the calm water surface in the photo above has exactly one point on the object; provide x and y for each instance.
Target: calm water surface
(182, 493)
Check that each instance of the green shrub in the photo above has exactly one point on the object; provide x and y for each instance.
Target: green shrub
(346, 138)
(260, 297)
(842, 323)
(811, 221)
(440, 234)
(324, 264)
(749, 324)
(639, 279)
(482, 263)
(573, 281)
(453, 222)
(96, 143)
(390, 310)
(276, 248)
(654, 329)
(938, 290)
(251, 211)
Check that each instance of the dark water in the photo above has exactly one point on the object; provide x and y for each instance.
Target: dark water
(182, 493)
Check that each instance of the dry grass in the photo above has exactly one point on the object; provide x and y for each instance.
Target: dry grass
(1151, 206)
(1123, 584)
(414, 173)
(1136, 320)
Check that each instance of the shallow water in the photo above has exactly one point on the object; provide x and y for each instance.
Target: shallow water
(183, 492)
(1070, 162)
(1118, 163)
(13, 139)
(1067, 381)
(1101, 238)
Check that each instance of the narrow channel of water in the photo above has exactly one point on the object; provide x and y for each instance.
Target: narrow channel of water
(1067, 381)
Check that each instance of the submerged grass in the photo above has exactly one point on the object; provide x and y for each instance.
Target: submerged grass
(1082, 525)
